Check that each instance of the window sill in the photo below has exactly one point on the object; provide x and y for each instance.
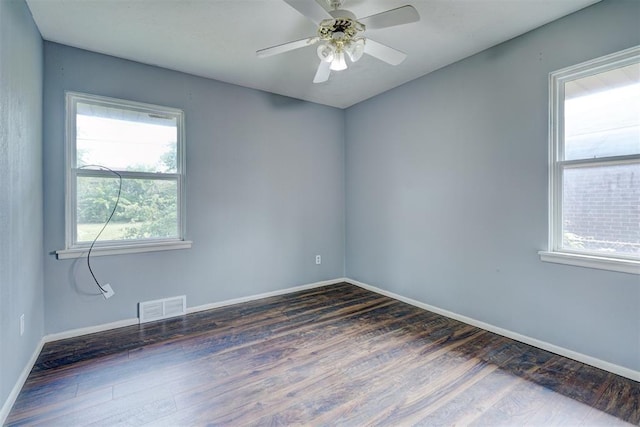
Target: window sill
(123, 249)
(591, 261)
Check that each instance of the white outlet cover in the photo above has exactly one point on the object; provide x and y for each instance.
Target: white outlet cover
(108, 291)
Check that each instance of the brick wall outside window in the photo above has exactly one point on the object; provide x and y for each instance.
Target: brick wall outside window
(601, 209)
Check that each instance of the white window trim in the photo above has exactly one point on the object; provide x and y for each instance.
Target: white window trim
(76, 250)
(591, 261)
(555, 252)
(122, 249)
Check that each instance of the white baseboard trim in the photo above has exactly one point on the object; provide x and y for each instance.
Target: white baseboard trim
(607, 366)
(90, 330)
(598, 363)
(135, 321)
(264, 295)
(15, 391)
(8, 404)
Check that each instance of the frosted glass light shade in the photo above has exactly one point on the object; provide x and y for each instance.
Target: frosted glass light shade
(355, 49)
(326, 52)
(338, 63)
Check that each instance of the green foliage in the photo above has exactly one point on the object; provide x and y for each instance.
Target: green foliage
(155, 210)
(113, 231)
(148, 206)
(96, 198)
(169, 161)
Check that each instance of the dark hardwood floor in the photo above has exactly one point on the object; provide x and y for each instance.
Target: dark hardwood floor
(337, 355)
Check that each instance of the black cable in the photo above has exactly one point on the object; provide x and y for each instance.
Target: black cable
(115, 206)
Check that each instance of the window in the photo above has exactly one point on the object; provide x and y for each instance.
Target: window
(128, 152)
(595, 164)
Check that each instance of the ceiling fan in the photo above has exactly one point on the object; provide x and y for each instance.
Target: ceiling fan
(340, 34)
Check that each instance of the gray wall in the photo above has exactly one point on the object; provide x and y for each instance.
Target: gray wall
(446, 182)
(265, 193)
(446, 187)
(20, 191)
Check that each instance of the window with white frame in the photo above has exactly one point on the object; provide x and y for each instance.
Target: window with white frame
(595, 164)
(130, 153)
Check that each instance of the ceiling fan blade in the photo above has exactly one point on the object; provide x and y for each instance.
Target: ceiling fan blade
(398, 16)
(384, 53)
(309, 8)
(322, 75)
(286, 47)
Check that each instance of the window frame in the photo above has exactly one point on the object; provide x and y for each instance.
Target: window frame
(556, 253)
(75, 249)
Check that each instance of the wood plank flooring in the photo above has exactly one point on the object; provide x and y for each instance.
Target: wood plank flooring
(336, 355)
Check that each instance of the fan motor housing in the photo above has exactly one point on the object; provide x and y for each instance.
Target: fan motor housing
(343, 27)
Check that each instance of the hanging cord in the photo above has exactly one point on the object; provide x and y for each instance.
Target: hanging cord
(113, 211)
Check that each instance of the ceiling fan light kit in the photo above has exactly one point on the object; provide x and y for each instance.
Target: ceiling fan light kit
(338, 63)
(341, 33)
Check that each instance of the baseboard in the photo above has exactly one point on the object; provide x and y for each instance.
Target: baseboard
(8, 404)
(598, 363)
(134, 321)
(601, 364)
(15, 391)
(90, 330)
(265, 295)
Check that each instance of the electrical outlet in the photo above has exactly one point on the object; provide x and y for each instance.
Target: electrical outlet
(318, 259)
(22, 324)
(108, 291)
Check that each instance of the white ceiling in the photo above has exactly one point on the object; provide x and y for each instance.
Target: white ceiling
(218, 38)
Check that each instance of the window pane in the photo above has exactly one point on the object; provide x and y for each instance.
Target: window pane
(602, 114)
(147, 209)
(125, 139)
(601, 209)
